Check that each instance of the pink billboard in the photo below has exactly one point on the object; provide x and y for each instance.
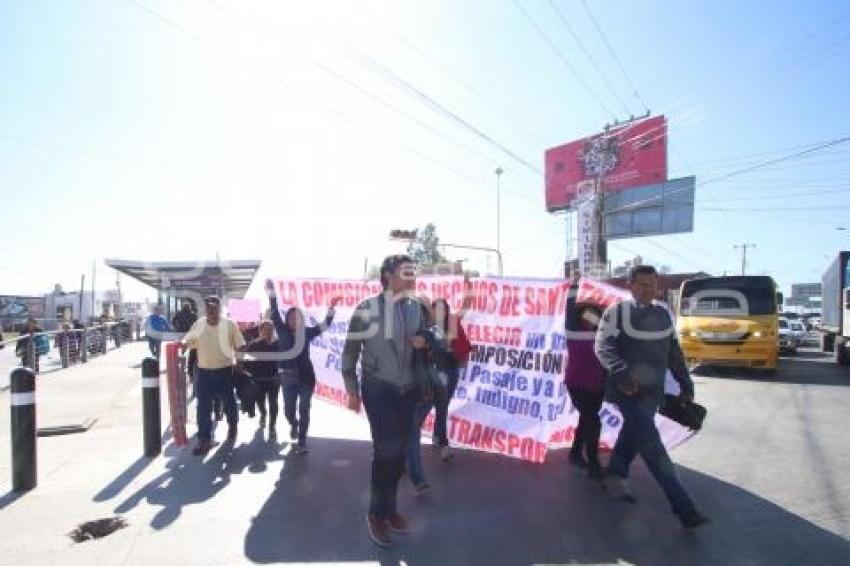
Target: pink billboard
(631, 155)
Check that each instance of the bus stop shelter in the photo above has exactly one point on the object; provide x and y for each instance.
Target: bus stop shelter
(176, 281)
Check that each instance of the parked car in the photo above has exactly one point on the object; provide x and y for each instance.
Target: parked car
(798, 329)
(787, 339)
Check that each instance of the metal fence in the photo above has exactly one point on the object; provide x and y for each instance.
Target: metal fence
(71, 345)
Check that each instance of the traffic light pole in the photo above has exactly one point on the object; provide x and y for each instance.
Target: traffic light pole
(410, 235)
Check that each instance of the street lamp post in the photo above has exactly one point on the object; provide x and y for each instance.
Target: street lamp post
(499, 172)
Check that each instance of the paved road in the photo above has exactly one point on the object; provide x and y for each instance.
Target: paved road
(771, 468)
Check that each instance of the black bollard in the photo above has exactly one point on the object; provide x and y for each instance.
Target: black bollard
(22, 389)
(150, 407)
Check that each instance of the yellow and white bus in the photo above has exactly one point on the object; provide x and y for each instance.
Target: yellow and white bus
(730, 321)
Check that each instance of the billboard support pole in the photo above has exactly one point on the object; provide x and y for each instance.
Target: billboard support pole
(600, 253)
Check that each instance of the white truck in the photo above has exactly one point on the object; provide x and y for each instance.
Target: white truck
(835, 315)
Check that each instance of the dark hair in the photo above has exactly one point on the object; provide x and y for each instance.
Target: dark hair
(266, 323)
(390, 265)
(446, 312)
(212, 300)
(641, 270)
(291, 311)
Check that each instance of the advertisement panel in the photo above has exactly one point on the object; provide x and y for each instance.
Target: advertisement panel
(627, 156)
(17, 307)
(651, 210)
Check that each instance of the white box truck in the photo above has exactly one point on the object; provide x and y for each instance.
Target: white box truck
(835, 305)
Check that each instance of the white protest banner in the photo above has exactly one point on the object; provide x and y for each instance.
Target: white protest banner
(314, 296)
(511, 398)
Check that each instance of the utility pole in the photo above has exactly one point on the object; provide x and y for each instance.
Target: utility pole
(82, 292)
(118, 308)
(499, 172)
(743, 248)
(93, 274)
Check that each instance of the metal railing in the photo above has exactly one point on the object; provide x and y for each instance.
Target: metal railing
(75, 345)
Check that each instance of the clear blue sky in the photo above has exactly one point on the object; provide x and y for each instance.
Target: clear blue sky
(267, 129)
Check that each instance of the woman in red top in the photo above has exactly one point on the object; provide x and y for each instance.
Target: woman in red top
(460, 347)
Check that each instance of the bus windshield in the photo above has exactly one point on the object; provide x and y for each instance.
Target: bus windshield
(728, 295)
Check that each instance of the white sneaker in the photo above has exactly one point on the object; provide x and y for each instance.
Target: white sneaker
(446, 453)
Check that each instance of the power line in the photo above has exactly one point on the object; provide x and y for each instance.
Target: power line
(422, 97)
(844, 189)
(563, 59)
(751, 156)
(810, 35)
(769, 162)
(480, 181)
(259, 72)
(458, 80)
(587, 54)
(614, 55)
(686, 260)
(776, 208)
(392, 77)
(795, 155)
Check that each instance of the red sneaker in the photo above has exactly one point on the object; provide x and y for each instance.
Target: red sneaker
(378, 531)
(398, 524)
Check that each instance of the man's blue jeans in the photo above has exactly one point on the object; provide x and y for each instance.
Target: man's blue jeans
(212, 383)
(297, 392)
(414, 449)
(442, 398)
(390, 414)
(155, 347)
(640, 436)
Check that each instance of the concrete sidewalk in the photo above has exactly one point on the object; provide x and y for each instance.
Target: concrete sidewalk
(257, 502)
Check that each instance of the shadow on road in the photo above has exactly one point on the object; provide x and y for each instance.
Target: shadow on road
(191, 481)
(490, 510)
(124, 479)
(808, 367)
(10, 497)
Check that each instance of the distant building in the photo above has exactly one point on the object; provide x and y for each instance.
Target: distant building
(16, 309)
(805, 295)
(57, 307)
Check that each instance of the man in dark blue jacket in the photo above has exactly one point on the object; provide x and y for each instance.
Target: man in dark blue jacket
(637, 343)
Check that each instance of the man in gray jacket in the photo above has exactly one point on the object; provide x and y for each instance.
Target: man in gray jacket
(637, 343)
(382, 335)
